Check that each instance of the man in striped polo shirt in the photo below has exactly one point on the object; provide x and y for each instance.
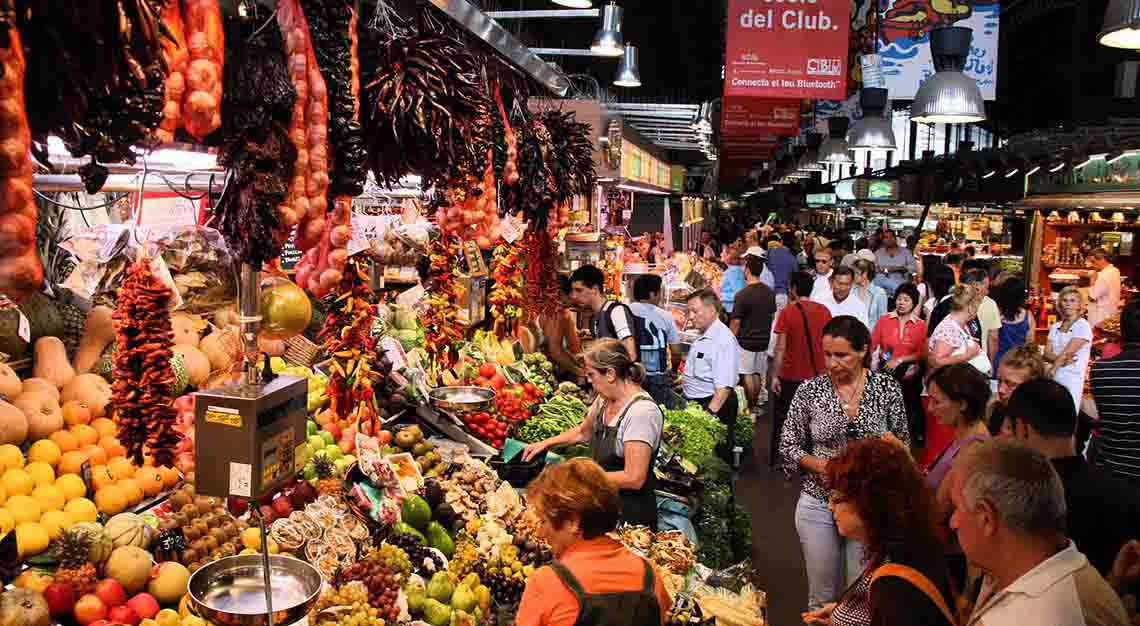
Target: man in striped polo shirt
(1115, 384)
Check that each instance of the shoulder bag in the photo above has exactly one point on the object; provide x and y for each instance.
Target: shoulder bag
(920, 582)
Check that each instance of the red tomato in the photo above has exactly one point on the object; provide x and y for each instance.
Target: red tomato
(487, 370)
(498, 382)
(530, 388)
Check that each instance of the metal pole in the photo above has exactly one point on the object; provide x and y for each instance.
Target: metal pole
(543, 14)
(249, 296)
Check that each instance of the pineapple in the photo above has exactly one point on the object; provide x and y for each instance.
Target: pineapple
(71, 550)
(327, 482)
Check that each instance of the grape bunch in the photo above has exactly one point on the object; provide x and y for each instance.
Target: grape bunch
(464, 560)
(506, 590)
(424, 561)
(382, 584)
(531, 552)
(395, 558)
(353, 595)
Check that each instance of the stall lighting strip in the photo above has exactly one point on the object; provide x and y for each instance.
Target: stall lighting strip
(1056, 169)
(1122, 155)
(989, 174)
(640, 189)
(1012, 173)
(1036, 168)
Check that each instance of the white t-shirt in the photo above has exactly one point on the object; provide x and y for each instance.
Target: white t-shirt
(1104, 296)
(618, 318)
(821, 286)
(852, 305)
(1072, 376)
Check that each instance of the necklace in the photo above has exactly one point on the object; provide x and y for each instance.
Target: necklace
(850, 402)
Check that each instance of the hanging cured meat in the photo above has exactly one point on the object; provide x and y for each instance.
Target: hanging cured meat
(206, 41)
(20, 271)
(177, 58)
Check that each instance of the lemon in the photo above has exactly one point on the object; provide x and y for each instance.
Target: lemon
(55, 522)
(7, 522)
(82, 510)
(251, 538)
(72, 486)
(148, 622)
(17, 482)
(168, 617)
(45, 451)
(31, 539)
(10, 457)
(24, 509)
(40, 472)
(50, 497)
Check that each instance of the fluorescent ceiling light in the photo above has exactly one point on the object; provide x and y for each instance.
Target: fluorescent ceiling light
(1084, 163)
(640, 189)
(1122, 155)
(1034, 170)
(1012, 173)
(575, 4)
(989, 174)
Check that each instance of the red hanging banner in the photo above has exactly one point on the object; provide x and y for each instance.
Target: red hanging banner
(787, 48)
(756, 117)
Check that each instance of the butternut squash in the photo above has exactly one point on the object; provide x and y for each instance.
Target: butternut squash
(222, 347)
(91, 389)
(51, 362)
(40, 385)
(186, 329)
(42, 412)
(97, 335)
(197, 364)
(13, 424)
(10, 385)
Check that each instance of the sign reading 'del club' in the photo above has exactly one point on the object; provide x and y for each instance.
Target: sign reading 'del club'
(787, 48)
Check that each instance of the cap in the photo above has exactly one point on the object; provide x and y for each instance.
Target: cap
(866, 255)
(756, 251)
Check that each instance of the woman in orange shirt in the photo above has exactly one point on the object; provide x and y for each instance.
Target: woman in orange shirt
(595, 580)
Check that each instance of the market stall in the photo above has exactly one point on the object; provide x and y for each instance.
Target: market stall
(268, 323)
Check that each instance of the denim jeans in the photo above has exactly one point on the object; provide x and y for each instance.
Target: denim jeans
(833, 562)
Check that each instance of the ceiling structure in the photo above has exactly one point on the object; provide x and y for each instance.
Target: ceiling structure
(668, 126)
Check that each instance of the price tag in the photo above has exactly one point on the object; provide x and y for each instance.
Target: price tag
(241, 479)
(24, 329)
(511, 228)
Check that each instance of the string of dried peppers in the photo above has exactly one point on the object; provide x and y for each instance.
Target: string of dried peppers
(541, 277)
(506, 295)
(442, 329)
(142, 393)
(347, 336)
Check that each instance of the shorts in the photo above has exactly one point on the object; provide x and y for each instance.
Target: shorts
(753, 363)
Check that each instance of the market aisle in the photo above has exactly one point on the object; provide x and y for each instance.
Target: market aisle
(775, 545)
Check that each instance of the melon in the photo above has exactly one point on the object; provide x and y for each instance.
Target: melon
(130, 566)
(100, 546)
(186, 329)
(197, 364)
(181, 375)
(40, 385)
(168, 583)
(127, 529)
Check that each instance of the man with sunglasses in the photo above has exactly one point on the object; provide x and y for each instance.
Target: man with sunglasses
(822, 274)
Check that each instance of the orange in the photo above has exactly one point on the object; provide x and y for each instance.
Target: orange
(81, 510)
(86, 435)
(40, 472)
(101, 477)
(76, 412)
(45, 451)
(72, 486)
(121, 468)
(170, 477)
(95, 454)
(113, 447)
(105, 427)
(111, 500)
(72, 462)
(150, 479)
(50, 497)
(66, 441)
(132, 489)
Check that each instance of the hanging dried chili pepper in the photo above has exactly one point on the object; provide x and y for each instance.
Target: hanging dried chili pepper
(347, 336)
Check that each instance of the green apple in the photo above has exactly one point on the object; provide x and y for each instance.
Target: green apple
(328, 437)
(311, 428)
(341, 464)
(317, 441)
(333, 452)
(350, 458)
(310, 471)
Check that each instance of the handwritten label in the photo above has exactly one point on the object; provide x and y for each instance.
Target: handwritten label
(241, 479)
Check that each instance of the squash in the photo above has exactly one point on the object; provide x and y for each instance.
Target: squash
(186, 329)
(91, 389)
(51, 362)
(40, 385)
(10, 385)
(13, 424)
(226, 316)
(23, 607)
(97, 335)
(197, 365)
(222, 347)
(127, 529)
(43, 413)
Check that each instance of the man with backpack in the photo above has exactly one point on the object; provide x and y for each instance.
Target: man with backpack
(611, 319)
(656, 335)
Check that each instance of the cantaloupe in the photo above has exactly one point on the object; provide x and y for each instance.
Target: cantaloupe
(13, 424)
(130, 566)
(10, 385)
(51, 362)
(222, 347)
(40, 385)
(42, 412)
(127, 529)
(186, 329)
(91, 389)
(197, 364)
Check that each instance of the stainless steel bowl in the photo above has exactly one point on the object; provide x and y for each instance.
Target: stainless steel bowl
(231, 591)
(461, 399)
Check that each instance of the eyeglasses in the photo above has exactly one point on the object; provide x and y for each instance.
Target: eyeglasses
(818, 261)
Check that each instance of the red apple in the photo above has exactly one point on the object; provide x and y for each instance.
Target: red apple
(237, 506)
(111, 592)
(60, 599)
(145, 605)
(90, 609)
(347, 443)
(267, 513)
(125, 615)
(282, 507)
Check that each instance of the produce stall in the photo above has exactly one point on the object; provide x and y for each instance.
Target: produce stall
(266, 323)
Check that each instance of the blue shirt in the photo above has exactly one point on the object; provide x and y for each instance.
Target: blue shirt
(876, 298)
(656, 318)
(732, 282)
(783, 264)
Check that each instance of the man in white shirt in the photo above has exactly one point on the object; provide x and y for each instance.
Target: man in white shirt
(1010, 519)
(713, 365)
(1104, 296)
(822, 273)
(838, 298)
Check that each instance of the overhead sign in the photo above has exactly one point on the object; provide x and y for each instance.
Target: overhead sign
(787, 48)
(905, 47)
(751, 117)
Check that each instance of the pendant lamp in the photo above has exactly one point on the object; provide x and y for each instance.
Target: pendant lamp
(949, 97)
(608, 42)
(873, 132)
(1121, 25)
(575, 4)
(809, 160)
(834, 150)
(628, 74)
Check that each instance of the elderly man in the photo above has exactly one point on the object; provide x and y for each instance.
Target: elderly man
(1010, 519)
(896, 263)
(1018, 366)
(713, 364)
(840, 300)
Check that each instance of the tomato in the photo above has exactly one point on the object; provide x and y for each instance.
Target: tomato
(530, 388)
(487, 370)
(498, 382)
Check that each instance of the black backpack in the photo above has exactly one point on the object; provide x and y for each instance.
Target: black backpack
(645, 333)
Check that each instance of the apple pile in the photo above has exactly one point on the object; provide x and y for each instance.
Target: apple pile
(294, 495)
(107, 604)
(335, 440)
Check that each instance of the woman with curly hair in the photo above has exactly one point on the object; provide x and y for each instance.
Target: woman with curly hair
(879, 498)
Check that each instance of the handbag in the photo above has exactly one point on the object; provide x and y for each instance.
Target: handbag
(920, 582)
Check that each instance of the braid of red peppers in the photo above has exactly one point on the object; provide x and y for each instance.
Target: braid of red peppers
(442, 329)
(347, 336)
(541, 277)
(142, 391)
(506, 296)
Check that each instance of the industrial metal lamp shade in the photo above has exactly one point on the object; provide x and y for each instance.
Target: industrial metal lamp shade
(873, 132)
(834, 150)
(575, 4)
(1121, 25)
(949, 97)
(608, 42)
(628, 74)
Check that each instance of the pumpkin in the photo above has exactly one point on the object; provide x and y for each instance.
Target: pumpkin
(51, 362)
(10, 385)
(13, 424)
(222, 347)
(127, 529)
(90, 389)
(43, 414)
(23, 607)
(99, 544)
(97, 335)
(40, 385)
(186, 329)
(197, 364)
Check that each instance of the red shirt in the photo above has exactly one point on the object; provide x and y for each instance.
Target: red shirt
(797, 363)
(886, 336)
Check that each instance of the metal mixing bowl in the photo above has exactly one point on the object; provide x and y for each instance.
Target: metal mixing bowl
(461, 399)
(231, 591)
